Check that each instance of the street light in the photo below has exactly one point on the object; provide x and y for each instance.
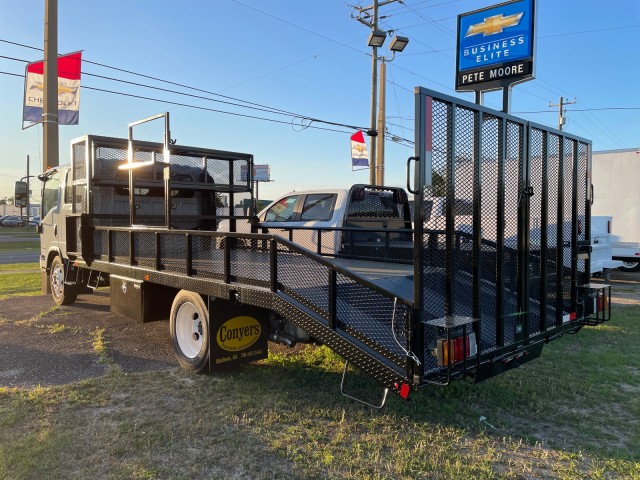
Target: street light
(377, 38)
(398, 43)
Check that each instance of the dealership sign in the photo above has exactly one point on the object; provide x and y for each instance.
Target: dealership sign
(495, 46)
(260, 173)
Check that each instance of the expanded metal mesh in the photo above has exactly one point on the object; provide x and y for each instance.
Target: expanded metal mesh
(145, 249)
(537, 222)
(463, 184)
(79, 177)
(483, 159)
(79, 160)
(375, 202)
(361, 313)
(304, 279)
(472, 248)
(250, 261)
(513, 186)
(106, 161)
(371, 318)
(172, 253)
(205, 185)
(120, 247)
(582, 188)
(554, 252)
(208, 257)
(79, 194)
(568, 224)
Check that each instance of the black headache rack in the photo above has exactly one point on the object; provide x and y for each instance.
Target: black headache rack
(472, 301)
(127, 182)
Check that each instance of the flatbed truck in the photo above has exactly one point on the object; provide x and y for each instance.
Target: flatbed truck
(409, 305)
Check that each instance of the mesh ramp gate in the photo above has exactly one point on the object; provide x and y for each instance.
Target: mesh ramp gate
(510, 258)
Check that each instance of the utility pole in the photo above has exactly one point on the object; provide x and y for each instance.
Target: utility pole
(371, 21)
(381, 124)
(369, 16)
(50, 100)
(28, 186)
(561, 110)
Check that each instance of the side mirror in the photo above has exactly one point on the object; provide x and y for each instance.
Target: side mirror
(20, 194)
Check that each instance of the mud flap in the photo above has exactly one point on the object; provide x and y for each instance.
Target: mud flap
(238, 333)
(502, 363)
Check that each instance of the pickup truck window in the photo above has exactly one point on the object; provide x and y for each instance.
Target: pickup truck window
(283, 210)
(318, 206)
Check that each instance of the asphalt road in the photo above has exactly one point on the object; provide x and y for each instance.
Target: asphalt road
(26, 256)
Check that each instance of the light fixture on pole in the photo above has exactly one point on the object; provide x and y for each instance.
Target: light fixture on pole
(377, 38)
(398, 43)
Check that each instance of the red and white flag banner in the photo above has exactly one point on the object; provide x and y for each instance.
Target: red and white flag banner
(69, 71)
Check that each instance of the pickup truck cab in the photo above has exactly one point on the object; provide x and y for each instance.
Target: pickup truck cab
(335, 221)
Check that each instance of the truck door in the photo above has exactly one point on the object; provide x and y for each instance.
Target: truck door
(50, 227)
(56, 205)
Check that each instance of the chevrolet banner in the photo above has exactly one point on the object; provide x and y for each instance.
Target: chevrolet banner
(69, 67)
(359, 152)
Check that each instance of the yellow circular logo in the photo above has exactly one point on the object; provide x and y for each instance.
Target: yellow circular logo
(238, 333)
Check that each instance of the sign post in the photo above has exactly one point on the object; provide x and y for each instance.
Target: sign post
(495, 48)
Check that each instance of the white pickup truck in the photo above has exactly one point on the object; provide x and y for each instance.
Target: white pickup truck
(363, 221)
(601, 248)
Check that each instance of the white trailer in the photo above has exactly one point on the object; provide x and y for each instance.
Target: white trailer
(616, 184)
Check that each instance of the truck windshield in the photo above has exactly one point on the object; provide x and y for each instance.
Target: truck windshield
(50, 195)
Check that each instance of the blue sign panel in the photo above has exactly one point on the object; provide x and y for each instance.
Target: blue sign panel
(498, 36)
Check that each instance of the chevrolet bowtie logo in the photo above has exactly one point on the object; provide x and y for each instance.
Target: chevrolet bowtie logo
(493, 25)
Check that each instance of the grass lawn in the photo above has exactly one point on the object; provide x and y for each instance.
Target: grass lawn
(24, 282)
(573, 413)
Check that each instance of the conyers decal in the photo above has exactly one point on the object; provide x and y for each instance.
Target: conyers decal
(238, 333)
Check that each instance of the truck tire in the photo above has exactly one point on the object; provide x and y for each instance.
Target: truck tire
(628, 266)
(189, 330)
(62, 294)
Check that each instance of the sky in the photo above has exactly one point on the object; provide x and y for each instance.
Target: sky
(310, 60)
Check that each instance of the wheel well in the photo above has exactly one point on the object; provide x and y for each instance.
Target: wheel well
(50, 256)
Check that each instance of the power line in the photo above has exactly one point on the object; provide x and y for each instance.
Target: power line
(257, 105)
(298, 26)
(252, 106)
(168, 102)
(584, 109)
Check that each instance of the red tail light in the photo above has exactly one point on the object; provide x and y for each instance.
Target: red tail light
(456, 350)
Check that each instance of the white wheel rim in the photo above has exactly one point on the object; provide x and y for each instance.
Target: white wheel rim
(189, 330)
(57, 281)
(629, 264)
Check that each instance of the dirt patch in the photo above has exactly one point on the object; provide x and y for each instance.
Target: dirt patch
(55, 346)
